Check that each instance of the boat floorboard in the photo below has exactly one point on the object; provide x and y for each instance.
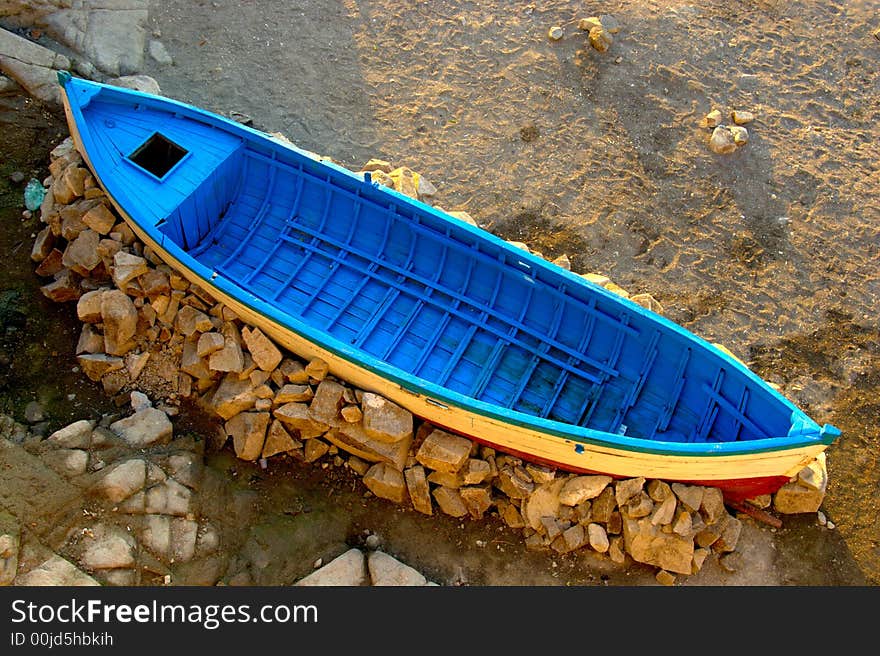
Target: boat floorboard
(445, 312)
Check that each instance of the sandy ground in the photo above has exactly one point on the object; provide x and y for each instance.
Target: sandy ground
(771, 251)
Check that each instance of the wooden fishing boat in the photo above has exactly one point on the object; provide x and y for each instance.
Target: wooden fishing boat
(458, 326)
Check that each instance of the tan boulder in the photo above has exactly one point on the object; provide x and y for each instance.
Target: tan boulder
(248, 432)
(418, 489)
(450, 502)
(386, 481)
(278, 440)
(120, 322)
(262, 349)
(581, 488)
(443, 451)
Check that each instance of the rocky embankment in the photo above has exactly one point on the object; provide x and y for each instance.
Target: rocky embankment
(153, 341)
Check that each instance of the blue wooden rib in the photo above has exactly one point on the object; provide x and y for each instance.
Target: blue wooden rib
(482, 308)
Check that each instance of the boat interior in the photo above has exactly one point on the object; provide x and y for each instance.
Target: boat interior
(440, 301)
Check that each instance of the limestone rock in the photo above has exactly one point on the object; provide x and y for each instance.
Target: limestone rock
(230, 358)
(600, 38)
(90, 341)
(352, 414)
(741, 117)
(649, 302)
(324, 405)
(690, 495)
(127, 267)
(96, 365)
(449, 479)
(209, 343)
(347, 569)
(475, 471)
(740, 135)
(406, 181)
(640, 505)
(646, 543)
(510, 514)
(315, 449)
(581, 488)
(168, 498)
(120, 322)
(145, 428)
(443, 451)
(384, 420)
(297, 416)
(316, 368)
(626, 489)
(65, 286)
(664, 512)
(190, 320)
(100, 219)
(232, 396)
(123, 480)
(815, 475)
(377, 165)
(353, 439)
(43, 244)
(138, 82)
(542, 502)
(88, 306)
(278, 440)
(55, 571)
(69, 186)
(586, 24)
(386, 481)
(598, 537)
(67, 462)
(262, 349)
(728, 538)
(110, 548)
(477, 499)
(388, 571)
(248, 432)
(511, 483)
(713, 119)
(294, 393)
(712, 506)
(572, 538)
(450, 501)
(81, 254)
(794, 498)
(73, 436)
(721, 142)
(418, 489)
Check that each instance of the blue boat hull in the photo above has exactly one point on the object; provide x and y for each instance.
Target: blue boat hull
(462, 328)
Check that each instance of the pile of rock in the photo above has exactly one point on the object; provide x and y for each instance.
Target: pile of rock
(600, 31)
(124, 502)
(145, 327)
(726, 138)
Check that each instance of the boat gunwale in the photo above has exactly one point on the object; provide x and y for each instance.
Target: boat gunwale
(810, 434)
